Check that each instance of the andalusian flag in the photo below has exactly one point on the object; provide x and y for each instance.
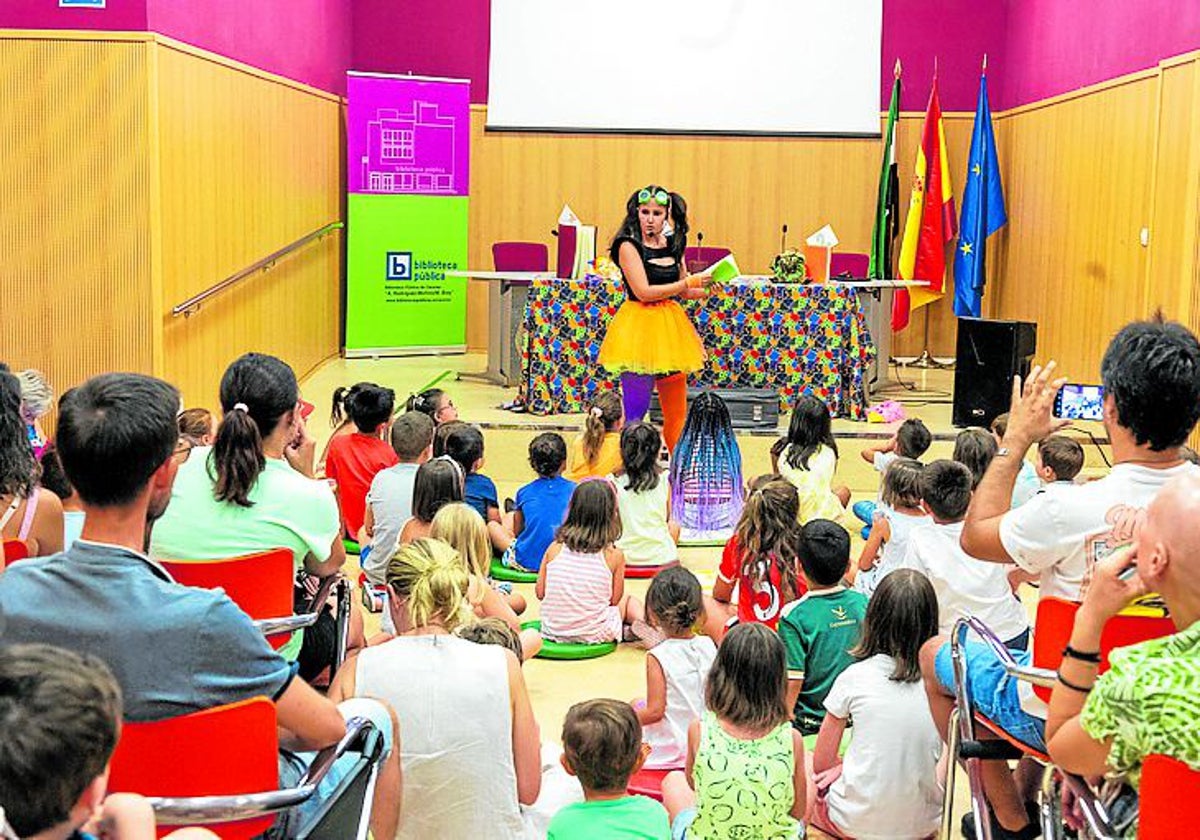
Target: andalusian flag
(931, 221)
(887, 205)
(983, 211)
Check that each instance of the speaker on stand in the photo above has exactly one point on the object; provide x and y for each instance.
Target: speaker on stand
(989, 355)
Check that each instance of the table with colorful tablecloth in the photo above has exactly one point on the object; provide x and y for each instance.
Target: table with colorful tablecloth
(786, 338)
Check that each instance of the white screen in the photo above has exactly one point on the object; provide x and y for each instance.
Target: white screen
(726, 66)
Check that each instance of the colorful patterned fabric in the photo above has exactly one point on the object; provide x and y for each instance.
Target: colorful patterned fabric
(783, 337)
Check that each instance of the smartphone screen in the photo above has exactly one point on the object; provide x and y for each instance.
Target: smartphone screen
(1080, 402)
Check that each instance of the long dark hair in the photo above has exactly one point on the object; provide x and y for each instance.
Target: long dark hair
(256, 391)
(640, 447)
(439, 482)
(631, 230)
(810, 429)
(901, 616)
(592, 523)
(18, 467)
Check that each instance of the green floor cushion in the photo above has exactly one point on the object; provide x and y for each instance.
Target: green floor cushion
(569, 650)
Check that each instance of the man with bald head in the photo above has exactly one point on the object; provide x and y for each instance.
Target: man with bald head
(1148, 702)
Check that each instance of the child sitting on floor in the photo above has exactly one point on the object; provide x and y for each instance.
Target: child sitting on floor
(807, 457)
(390, 499)
(821, 627)
(461, 528)
(493, 631)
(435, 404)
(676, 667)
(602, 745)
(541, 504)
(648, 536)
(745, 764)
(964, 585)
(354, 460)
(707, 492)
(761, 561)
(887, 784)
(911, 440)
(581, 583)
(974, 448)
(1059, 460)
(596, 452)
(894, 519)
(465, 445)
(439, 482)
(60, 715)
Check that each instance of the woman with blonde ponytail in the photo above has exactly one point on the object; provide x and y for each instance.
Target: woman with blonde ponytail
(470, 747)
(596, 452)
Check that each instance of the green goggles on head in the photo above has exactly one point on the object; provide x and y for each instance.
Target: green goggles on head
(660, 197)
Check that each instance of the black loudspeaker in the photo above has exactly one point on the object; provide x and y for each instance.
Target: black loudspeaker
(990, 354)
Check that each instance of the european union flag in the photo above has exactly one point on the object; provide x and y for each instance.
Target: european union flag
(982, 212)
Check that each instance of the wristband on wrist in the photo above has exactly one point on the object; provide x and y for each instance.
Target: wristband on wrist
(1081, 655)
(694, 281)
(1082, 689)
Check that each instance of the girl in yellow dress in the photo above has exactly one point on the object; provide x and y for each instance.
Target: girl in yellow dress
(650, 340)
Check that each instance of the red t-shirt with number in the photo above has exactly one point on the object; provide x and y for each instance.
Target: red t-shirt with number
(759, 603)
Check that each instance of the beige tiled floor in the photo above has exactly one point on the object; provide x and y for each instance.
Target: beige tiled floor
(555, 686)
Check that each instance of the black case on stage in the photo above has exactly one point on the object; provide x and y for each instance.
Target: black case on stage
(749, 408)
(990, 354)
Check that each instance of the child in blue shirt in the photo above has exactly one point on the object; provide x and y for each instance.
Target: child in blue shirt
(541, 504)
(465, 445)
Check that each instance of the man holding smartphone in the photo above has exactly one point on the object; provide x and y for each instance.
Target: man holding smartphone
(1151, 377)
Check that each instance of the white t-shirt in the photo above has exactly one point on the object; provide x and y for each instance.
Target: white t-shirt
(965, 586)
(894, 551)
(889, 786)
(1062, 532)
(882, 459)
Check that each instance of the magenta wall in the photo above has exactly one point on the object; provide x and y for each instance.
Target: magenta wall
(305, 40)
(45, 14)
(1055, 46)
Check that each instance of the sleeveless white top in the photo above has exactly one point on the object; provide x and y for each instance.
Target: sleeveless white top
(685, 664)
(451, 697)
(892, 555)
(645, 539)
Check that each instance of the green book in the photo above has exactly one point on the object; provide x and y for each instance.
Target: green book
(724, 270)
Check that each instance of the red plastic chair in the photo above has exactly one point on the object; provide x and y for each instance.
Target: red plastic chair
(697, 259)
(1056, 618)
(520, 256)
(227, 751)
(261, 584)
(14, 550)
(648, 783)
(849, 264)
(1168, 799)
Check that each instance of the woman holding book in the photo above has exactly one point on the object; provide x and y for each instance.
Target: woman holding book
(650, 340)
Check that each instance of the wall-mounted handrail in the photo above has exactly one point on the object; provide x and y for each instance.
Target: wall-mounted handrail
(192, 304)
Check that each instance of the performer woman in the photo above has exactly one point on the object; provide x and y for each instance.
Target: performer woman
(650, 340)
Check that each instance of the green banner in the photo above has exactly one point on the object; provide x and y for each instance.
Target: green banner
(397, 295)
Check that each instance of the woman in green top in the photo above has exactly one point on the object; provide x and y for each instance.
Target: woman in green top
(745, 763)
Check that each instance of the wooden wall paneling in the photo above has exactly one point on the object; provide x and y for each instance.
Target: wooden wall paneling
(248, 164)
(75, 261)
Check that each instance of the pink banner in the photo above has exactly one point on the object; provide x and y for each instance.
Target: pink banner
(408, 135)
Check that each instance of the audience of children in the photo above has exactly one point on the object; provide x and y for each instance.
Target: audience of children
(59, 721)
(807, 457)
(389, 502)
(975, 448)
(648, 536)
(435, 403)
(1059, 460)
(596, 451)
(1028, 483)
(887, 784)
(707, 490)
(603, 747)
(964, 586)
(353, 460)
(541, 505)
(760, 561)
(893, 521)
(676, 667)
(819, 629)
(745, 772)
(581, 582)
(27, 512)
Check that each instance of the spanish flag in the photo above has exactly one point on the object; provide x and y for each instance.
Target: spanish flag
(931, 221)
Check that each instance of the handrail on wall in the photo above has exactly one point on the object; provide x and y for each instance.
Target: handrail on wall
(192, 304)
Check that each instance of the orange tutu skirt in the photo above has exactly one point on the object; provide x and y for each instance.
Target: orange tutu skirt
(651, 338)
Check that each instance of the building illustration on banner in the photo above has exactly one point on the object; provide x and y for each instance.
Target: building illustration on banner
(410, 151)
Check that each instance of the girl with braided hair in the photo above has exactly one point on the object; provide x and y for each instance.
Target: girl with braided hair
(676, 667)
(650, 341)
(707, 493)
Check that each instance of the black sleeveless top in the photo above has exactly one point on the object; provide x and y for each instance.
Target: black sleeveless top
(656, 274)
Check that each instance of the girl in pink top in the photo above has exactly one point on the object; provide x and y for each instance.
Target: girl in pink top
(581, 583)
